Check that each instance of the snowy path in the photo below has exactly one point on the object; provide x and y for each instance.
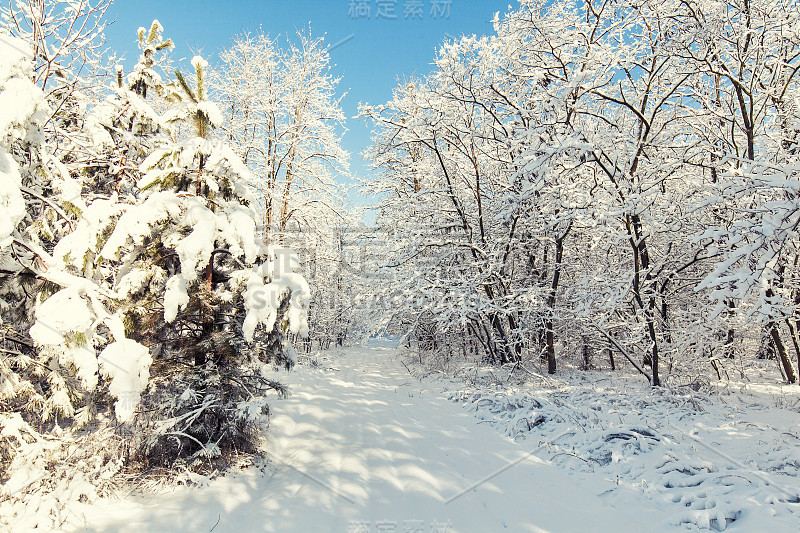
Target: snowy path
(367, 448)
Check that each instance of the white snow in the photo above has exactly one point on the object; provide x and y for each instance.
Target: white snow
(12, 205)
(298, 304)
(211, 111)
(262, 300)
(175, 296)
(725, 458)
(65, 321)
(64, 312)
(137, 220)
(364, 445)
(72, 248)
(127, 364)
(195, 249)
(16, 58)
(21, 478)
(13, 427)
(20, 101)
(240, 232)
(133, 281)
(199, 62)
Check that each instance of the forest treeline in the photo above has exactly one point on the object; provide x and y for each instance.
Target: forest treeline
(601, 179)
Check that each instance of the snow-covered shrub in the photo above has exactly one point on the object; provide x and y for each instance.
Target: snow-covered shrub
(51, 472)
(138, 305)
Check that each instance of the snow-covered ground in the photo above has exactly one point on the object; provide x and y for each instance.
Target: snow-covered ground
(724, 457)
(362, 445)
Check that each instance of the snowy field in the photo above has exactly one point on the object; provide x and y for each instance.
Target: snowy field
(724, 457)
(363, 445)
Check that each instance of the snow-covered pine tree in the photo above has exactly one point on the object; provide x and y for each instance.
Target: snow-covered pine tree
(167, 269)
(109, 142)
(49, 379)
(101, 279)
(123, 128)
(200, 286)
(22, 110)
(56, 380)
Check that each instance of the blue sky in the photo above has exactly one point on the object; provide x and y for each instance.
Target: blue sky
(380, 40)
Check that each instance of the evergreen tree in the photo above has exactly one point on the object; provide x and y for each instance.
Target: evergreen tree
(200, 287)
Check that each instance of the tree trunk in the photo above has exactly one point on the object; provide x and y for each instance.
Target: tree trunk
(502, 345)
(728, 351)
(791, 377)
(551, 302)
(793, 335)
(550, 348)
